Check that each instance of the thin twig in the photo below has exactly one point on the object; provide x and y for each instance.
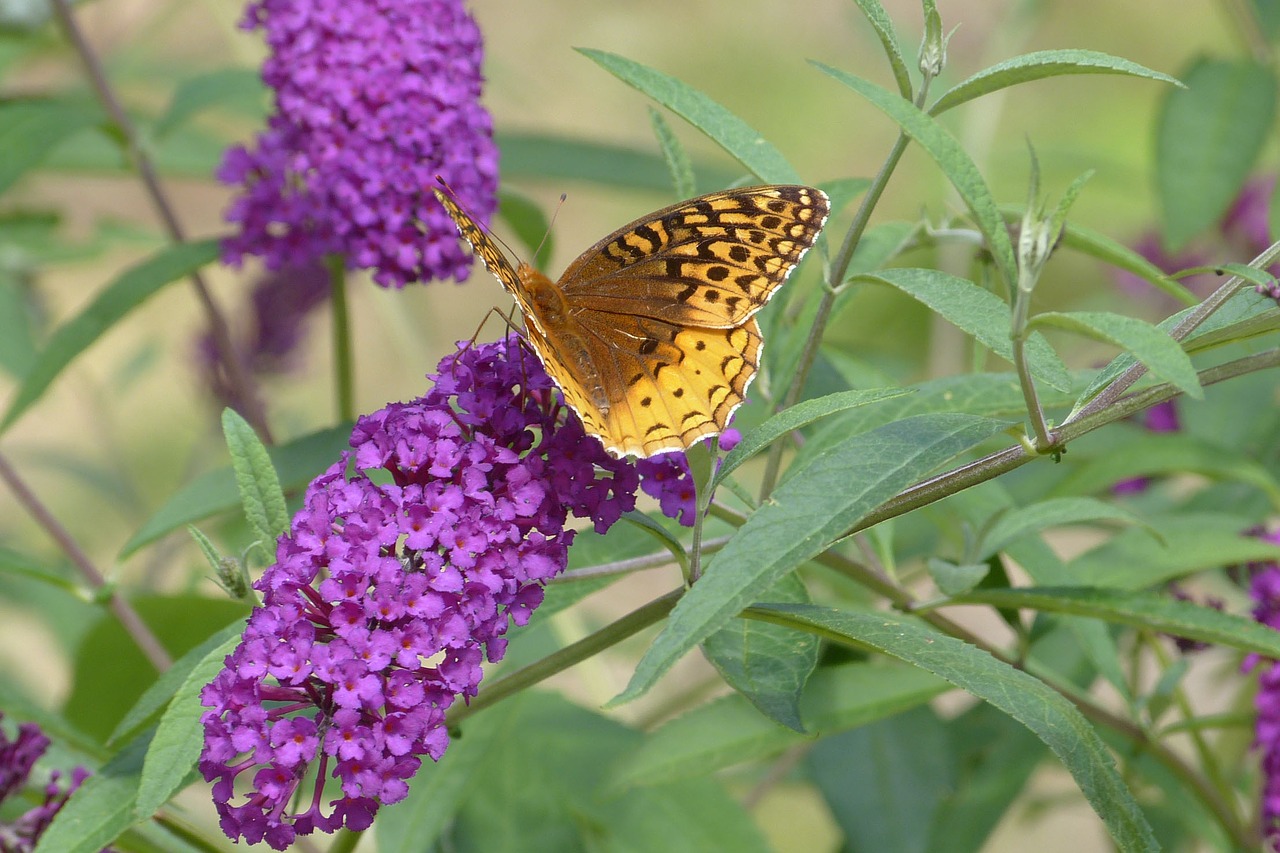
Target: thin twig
(237, 375)
(133, 624)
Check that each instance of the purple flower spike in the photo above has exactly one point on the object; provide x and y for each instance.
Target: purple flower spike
(388, 594)
(1264, 588)
(17, 758)
(372, 101)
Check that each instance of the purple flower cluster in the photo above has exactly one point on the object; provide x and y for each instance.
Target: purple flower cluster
(395, 581)
(1264, 588)
(278, 308)
(373, 99)
(17, 758)
(667, 478)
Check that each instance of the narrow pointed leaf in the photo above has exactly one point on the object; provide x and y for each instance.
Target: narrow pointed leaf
(1027, 699)
(1055, 512)
(1208, 138)
(814, 507)
(767, 664)
(881, 23)
(980, 313)
(674, 153)
(741, 141)
(133, 287)
(178, 739)
(1038, 66)
(955, 163)
(31, 129)
(259, 486)
(1149, 344)
(295, 463)
(800, 415)
(1149, 611)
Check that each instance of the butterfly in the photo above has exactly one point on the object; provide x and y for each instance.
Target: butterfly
(650, 334)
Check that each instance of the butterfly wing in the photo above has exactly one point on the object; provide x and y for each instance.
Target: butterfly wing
(659, 344)
(489, 251)
(712, 261)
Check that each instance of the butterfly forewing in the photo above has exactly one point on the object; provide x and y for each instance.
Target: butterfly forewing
(711, 261)
(649, 334)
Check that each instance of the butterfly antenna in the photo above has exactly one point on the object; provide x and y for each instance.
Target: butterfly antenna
(550, 225)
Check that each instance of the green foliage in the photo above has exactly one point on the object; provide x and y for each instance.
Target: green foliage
(883, 479)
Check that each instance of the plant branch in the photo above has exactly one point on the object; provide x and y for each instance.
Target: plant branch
(343, 362)
(237, 374)
(123, 610)
(610, 635)
(1179, 333)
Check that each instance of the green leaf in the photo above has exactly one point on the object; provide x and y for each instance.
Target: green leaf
(1253, 275)
(17, 564)
(17, 337)
(230, 86)
(1244, 315)
(812, 508)
(1055, 512)
(978, 312)
(800, 415)
(883, 26)
(1120, 256)
(1038, 66)
(157, 696)
(884, 781)
(1208, 138)
(767, 664)
(958, 167)
(1185, 543)
(100, 809)
(173, 752)
(1149, 611)
(215, 491)
(259, 487)
(31, 129)
(673, 152)
(129, 290)
(556, 158)
(1027, 699)
(955, 578)
(1149, 344)
(729, 731)
(736, 137)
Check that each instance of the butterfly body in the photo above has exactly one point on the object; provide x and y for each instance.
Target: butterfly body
(650, 333)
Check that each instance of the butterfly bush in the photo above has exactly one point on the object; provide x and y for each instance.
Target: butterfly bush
(373, 99)
(17, 758)
(397, 578)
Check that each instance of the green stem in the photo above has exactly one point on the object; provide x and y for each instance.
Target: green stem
(612, 634)
(1021, 308)
(343, 362)
(835, 277)
(1184, 328)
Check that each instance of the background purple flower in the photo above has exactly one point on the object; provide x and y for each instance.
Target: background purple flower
(278, 308)
(397, 578)
(1264, 588)
(17, 758)
(373, 99)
